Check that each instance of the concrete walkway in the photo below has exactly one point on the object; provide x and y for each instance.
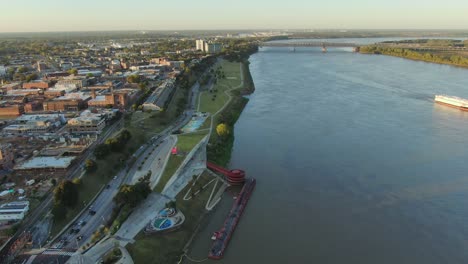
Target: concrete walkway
(126, 258)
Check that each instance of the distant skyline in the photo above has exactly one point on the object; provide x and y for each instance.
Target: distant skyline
(87, 15)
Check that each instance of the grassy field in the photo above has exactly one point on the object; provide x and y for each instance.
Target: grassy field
(167, 248)
(213, 101)
(185, 143)
(144, 125)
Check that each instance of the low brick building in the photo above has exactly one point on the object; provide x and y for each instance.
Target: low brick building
(9, 109)
(36, 85)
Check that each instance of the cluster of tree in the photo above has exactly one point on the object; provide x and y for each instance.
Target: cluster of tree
(240, 50)
(219, 148)
(132, 195)
(115, 144)
(90, 165)
(134, 78)
(432, 42)
(415, 55)
(65, 196)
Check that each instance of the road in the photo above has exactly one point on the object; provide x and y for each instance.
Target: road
(103, 205)
(28, 224)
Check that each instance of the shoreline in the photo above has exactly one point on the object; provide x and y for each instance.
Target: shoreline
(249, 88)
(429, 57)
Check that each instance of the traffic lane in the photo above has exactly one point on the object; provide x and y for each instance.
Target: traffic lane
(87, 217)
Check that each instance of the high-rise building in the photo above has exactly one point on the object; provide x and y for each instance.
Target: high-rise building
(3, 71)
(41, 66)
(212, 47)
(200, 43)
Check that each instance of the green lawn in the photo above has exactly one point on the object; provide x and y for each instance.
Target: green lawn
(206, 124)
(167, 248)
(185, 143)
(232, 73)
(172, 165)
(210, 103)
(144, 125)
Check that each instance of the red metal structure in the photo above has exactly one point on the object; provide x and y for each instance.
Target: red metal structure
(234, 177)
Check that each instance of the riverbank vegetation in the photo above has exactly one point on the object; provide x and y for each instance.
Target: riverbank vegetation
(445, 51)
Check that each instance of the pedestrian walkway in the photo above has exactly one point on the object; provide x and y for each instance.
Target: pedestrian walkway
(57, 252)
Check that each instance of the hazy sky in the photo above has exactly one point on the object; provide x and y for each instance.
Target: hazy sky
(78, 15)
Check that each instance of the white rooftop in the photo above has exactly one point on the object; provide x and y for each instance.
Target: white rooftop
(77, 96)
(47, 162)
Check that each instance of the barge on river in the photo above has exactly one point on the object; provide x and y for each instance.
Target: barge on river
(222, 237)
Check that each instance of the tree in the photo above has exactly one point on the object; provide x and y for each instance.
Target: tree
(73, 71)
(66, 194)
(77, 181)
(222, 130)
(132, 195)
(31, 77)
(53, 181)
(22, 69)
(133, 78)
(101, 151)
(142, 86)
(89, 75)
(90, 165)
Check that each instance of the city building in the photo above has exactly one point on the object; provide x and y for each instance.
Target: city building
(55, 75)
(11, 109)
(87, 123)
(119, 98)
(33, 106)
(36, 84)
(41, 66)
(44, 166)
(14, 211)
(95, 73)
(24, 92)
(208, 46)
(200, 44)
(157, 100)
(212, 48)
(35, 124)
(9, 87)
(72, 81)
(69, 102)
(6, 156)
(3, 71)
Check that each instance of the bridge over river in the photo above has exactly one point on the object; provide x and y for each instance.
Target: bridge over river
(309, 44)
(322, 44)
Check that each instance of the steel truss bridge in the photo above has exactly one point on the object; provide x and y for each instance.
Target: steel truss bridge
(309, 44)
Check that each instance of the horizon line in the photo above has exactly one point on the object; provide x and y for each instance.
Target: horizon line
(310, 30)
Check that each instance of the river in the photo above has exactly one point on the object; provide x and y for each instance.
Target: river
(354, 162)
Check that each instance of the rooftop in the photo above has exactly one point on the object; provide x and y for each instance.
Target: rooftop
(74, 96)
(46, 162)
(14, 205)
